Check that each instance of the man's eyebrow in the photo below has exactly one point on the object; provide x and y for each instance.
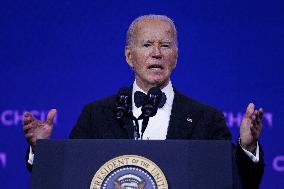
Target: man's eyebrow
(147, 41)
(168, 42)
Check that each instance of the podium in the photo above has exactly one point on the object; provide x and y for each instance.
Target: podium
(185, 164)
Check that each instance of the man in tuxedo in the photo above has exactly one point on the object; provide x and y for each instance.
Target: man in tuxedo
(151, 52)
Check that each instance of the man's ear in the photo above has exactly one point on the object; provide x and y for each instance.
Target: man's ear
(128, 56)
(176, 59)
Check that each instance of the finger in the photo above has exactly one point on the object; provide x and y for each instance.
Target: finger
(28, 117)
(257, 127)
(260, 114)
(250, 110)
(28, 127)
(30, 135)
(255, 132)
(32, 125)
(26, 114)
(50, 116)
(253, 116)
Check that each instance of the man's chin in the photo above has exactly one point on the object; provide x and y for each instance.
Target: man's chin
(148, 83)
(159, 83)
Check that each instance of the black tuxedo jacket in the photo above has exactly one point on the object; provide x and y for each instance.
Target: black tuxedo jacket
(189, 119)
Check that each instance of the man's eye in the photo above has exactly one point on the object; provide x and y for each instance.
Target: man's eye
(146, 45)
(165, 45)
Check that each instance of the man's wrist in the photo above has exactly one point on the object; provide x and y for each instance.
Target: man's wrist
(251, 148)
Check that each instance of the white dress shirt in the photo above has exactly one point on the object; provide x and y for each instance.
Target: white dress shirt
(158, 125)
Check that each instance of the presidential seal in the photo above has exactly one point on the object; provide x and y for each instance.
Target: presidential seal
(129, 172)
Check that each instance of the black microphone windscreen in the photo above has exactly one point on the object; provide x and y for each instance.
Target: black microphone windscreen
(123, 103)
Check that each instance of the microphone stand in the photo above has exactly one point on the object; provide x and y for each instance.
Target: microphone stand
(136, 127)
(144, 125)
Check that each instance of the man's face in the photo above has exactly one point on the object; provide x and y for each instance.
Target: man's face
(153, 53)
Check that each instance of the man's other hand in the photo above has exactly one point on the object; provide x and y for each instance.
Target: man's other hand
(35, 129)
(250, 128)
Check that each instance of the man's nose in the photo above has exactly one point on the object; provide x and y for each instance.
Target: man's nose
(156, 52)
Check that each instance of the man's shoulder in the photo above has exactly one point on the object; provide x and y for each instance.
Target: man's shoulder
(103, 103)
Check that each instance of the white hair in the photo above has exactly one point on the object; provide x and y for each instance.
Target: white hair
(133, 25)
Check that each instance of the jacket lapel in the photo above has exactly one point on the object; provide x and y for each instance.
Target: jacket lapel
(129, 127)
(183, 118)
(128, 123)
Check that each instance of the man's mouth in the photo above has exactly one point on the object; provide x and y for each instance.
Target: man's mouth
(155, 67)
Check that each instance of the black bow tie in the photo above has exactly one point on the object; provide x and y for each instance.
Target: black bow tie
(141, 98)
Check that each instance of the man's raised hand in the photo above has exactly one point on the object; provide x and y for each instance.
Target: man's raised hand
(35, 129)
(250, 128)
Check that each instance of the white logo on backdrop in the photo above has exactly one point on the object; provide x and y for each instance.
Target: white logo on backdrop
(278, 163)
(234, 119)
(3, 160)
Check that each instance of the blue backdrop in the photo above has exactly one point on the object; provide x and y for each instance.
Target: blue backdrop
(64, 54)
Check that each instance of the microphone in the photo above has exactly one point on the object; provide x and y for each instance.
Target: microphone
(122, 109)
(122, 105)
(155, 99)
